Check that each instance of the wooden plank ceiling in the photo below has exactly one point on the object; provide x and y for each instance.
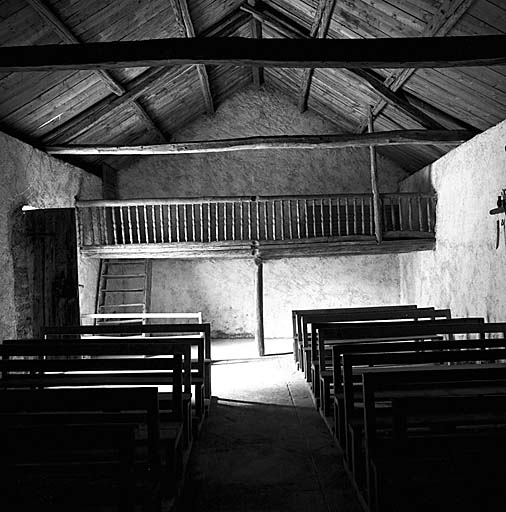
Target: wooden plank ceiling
(148, 105)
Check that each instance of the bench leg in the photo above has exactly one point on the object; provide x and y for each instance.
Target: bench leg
(325, 400)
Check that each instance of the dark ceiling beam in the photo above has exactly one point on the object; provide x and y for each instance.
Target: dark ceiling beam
(387, 138)
(446, 18)
(373, 80)
(185, 23)
(415, 52)
(319, 29)
(50, 17)
(256, 31)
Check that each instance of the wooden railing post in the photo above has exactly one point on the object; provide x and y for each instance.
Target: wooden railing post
(374, 185)
(259, 305)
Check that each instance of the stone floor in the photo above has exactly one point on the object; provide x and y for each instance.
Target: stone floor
(264, 448)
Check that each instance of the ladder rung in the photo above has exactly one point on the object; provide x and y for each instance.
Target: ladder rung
(124, 290)
(123, 276)
(125, 262)
(121, 305)
(114, 322)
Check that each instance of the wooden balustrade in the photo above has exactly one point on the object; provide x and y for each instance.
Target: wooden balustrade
(262, 219)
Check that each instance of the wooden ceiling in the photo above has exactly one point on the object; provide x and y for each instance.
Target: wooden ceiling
(148, 105)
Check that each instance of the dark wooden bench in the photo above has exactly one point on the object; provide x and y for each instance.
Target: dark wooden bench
(471, 382)
(113, 428)
(362, 363)
(320, 354)
(300, 326)
(195, 333)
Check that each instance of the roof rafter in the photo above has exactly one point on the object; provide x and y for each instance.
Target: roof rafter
(256, 30)
(89, 118)
(319, 29)
(373, 80)
(183, 18)
(449, 14)
(48, 15)
(332, 141)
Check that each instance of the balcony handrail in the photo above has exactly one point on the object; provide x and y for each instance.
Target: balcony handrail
(214, 199)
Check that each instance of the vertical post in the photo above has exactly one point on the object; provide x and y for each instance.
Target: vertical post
(374, 184)
(259, 305)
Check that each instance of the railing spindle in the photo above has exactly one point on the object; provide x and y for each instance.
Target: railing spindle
(225, 223)
(401, 218)
(274, 220)
(162, 225)
(106, 227)
(122, 225)
(257, 205)
(290, 227)
(384, 206)
(208, 222)
(241, 216)
(410, 214)
(347, 215)
(362, 213)
(321, 217)
(185, 222)
(233, 221)
(250, 213)
(217, 223)
(331, 226)
(153, 221)
(371, 216)
(194, 227)
(177, 224)
(146, 231)
(313, 209)
(137, 225)
(427, 202)
(266, 221)
(129, 220)
(392, 213)
(169, 222)
(419, 206)
(201, 219)
(282, 215)
(338, 215)
(298, 218)
(354, 215)
(114, 232)
(306, 223)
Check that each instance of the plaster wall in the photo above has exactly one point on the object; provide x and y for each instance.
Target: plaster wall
(30, 177)
(225, 290)
(465, 272)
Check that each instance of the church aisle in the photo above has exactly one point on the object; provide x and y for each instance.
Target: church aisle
(264, 448)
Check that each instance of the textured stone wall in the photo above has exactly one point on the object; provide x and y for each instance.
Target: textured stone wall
(224, 289)
(465, 272)
(29, 177)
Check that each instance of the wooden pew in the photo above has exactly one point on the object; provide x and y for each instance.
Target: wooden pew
(110, 349)
(378, 384)
(193, 332)
(351, 362)
(300, 331)
(319, 370)
(373, 332)
(48, 429)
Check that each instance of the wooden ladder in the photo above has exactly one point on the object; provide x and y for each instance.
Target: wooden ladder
(124, 287)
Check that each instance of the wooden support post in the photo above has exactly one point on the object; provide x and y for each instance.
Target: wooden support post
(374, 184)
(259, 305)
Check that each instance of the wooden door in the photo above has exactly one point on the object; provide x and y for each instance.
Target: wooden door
(55, 281)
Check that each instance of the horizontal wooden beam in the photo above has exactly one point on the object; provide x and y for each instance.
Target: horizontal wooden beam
(429, 52)
(390, 138)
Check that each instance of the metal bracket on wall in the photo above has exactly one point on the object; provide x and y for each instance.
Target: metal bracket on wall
(500, 223)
